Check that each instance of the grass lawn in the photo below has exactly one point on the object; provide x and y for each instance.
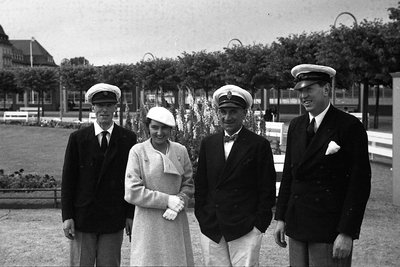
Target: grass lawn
(34, 149)
(34, 237)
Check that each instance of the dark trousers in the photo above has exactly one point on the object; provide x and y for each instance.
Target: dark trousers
(314, 254)
(91, 249)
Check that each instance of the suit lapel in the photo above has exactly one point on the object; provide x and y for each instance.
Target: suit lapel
(94, 146)
(237, 153)
(324, 132)
(112, 149)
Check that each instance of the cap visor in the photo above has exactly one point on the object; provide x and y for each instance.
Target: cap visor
(303, 84)
(229, 105)
(105, 101)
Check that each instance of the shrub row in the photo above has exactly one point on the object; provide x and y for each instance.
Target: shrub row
(19, 179)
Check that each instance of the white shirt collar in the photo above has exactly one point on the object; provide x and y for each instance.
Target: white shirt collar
(98, 130)
(234, 133)
(319, 117)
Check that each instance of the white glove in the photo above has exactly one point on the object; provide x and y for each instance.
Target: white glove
(175, 203)
(170, 215)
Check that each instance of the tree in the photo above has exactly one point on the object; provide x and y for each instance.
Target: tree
(8, 84)
(79, 78)
(78, 61)
(120, 75)
(159, 75)
(245, 66)
(358, 54)
(40, 80)
(200, 70)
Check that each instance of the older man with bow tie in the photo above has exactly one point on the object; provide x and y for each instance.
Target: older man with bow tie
(234, 185)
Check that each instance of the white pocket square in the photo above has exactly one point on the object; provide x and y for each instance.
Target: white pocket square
(332, 148)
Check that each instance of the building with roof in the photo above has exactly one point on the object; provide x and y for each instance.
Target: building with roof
(24, 54)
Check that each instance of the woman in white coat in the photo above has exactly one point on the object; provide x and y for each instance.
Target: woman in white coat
(159, 183)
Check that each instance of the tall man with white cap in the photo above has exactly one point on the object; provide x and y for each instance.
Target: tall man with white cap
(234, 185)
(326, 178)
(94, 211)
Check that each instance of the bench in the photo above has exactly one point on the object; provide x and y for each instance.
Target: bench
(380, 143)
(31, 110)
(55, 195)
(358, 115)
(274, 129)
(279, 161)
(16, 116)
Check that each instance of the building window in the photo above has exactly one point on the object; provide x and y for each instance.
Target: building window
(6, 104)
(33, 98)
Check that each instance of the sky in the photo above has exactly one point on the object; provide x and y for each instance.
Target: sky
(125, 31)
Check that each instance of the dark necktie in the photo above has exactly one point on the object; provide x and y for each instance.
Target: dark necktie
(310, 130)
(104, 144)
(228, 138)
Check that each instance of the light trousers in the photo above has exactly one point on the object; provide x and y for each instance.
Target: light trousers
(244, 251)
(314, 254)
(92, 249)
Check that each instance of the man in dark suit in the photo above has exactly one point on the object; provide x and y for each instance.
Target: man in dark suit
(234, 185)
(94, 211)
(326, 179)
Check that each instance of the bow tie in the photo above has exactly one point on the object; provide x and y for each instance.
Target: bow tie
(228, 138)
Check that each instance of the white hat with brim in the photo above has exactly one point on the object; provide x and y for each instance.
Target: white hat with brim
(309, 74)
(103, 93)
(232, 96)
(161, 115)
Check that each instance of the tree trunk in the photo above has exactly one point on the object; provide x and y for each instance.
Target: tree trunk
(4, 100)
(38, 108)
(365, 104)
(80, 105)
(121, 110)
(278, 105)
(42, 98)
(376, 115)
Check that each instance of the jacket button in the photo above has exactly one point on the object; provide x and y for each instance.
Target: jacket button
(216, 205)
(235, 206)
(296, 196)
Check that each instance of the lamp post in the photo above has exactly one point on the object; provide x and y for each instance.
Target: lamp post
(334, 26)
(345, 13)
(31, 63)
(30, 50)
(148, 54)
(234, 40)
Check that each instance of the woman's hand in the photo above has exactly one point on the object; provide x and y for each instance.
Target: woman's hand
(170, 215)
(175, 203)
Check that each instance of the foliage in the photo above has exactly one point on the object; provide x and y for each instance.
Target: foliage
(200, 70)
(19, 179)
(79, 78)
(40, 80)
(50, 123)
(197, 122)
(245, 66)
(8, 83)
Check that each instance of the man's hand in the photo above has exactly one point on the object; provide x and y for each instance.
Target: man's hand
(128, 227)
(342, 246)
(279, 234)
(175, 203)
(69, 228)
(170, 214)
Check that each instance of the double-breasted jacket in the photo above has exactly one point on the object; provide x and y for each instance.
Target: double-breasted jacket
(323, 194)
